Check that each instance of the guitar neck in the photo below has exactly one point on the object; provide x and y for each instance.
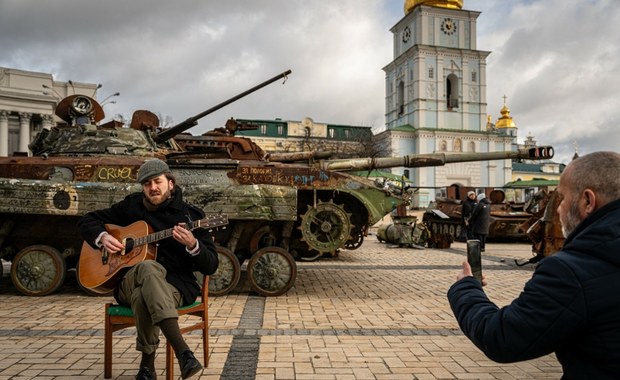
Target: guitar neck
(163, 234)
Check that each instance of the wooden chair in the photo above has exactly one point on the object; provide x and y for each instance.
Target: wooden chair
(119, 317)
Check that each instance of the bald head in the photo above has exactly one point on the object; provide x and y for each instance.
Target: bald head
(587, 184)
(599, 172)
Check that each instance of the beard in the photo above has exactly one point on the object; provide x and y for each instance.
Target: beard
(571, 220)
(156, 197)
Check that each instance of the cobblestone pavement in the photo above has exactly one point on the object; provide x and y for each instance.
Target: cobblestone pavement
(378, 312)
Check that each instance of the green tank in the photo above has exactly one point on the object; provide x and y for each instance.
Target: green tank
(280, 208)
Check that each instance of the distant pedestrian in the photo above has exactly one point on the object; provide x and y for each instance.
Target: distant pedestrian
(480, 220)
(466, 210)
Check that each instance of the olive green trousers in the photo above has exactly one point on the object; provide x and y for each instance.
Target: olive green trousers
(152, 299)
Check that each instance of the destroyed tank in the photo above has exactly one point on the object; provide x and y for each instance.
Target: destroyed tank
(543, 228)
(80, 165)
(443, 216)
(278, 208)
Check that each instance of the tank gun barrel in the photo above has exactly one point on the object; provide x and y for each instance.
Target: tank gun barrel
(435, 159)
(192, 121)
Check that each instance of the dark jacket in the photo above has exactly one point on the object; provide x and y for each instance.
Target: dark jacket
(179, 264)
(481, 217)
(467, 208)
(570, 306)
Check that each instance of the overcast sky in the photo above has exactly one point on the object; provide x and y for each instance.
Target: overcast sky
(557, 61)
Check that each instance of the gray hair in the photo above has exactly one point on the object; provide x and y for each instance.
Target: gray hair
(599, 172)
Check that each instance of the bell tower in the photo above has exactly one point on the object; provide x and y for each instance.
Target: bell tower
(436, 96)
(437, 78)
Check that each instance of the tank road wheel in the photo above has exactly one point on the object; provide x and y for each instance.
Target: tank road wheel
(38, 270)
(325, 227)
(355, 241)
(227, 275)
(272, 271)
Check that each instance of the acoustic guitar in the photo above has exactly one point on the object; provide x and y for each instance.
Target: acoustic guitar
(100, 270)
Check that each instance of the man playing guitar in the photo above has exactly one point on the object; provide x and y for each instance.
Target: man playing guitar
(155, 288)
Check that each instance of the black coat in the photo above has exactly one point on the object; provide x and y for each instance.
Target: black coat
(481, 217)
(467, 208)
(179, 264)
(570, 306)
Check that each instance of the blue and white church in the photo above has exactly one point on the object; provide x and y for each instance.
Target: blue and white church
(435, 99)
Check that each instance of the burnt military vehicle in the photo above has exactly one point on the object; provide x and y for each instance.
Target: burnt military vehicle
(81, 165)
(277, 210)
(509, 220)
(543, 228)
(443, 217)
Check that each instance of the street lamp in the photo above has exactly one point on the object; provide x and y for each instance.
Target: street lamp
(72, 86)
(95, 92)
(109, 96)
(54, 91)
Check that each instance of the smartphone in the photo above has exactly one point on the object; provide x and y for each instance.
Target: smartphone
(474, 258)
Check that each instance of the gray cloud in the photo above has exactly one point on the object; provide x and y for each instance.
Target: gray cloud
(556, 61)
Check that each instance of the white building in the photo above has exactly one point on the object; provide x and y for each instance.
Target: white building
(436, 98)
(27, 104)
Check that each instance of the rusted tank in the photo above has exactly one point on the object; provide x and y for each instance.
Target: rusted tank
(543, 228)
(339, 208)
(82, 165)
(443, 217)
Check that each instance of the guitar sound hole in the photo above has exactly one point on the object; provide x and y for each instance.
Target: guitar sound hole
(129, 244)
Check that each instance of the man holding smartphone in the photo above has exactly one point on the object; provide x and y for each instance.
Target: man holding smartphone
(570, 305)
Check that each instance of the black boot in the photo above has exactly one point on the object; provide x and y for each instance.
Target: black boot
(189, 364)
(146, 373)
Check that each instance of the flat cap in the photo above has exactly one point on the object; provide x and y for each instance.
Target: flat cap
(152, 168)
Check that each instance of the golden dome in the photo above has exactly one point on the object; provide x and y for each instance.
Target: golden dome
(506, 120)
(452, 4)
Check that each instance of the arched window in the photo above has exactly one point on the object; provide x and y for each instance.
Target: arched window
(472, 146)
(401, 98)
(443, 146)
(452, 91)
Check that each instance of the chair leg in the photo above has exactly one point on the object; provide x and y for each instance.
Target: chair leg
(205, 343)
(107, 346)
(169, 362)
(205, 327)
